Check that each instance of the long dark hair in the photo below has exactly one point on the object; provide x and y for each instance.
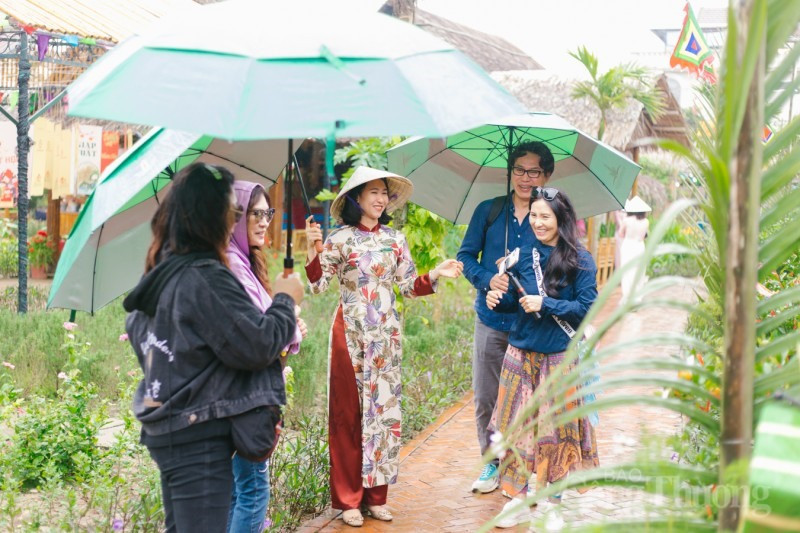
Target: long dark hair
(351, 211)
(258, 261)
(562, 266)
(194, 216)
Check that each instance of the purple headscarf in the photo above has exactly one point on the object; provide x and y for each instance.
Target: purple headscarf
(239, 255)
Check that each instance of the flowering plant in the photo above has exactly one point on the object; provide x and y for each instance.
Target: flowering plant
(40, 249)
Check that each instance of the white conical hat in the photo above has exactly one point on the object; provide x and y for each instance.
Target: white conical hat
(636, 205)
(400, 188)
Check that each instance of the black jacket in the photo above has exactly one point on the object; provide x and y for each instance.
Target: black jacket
(206, 351)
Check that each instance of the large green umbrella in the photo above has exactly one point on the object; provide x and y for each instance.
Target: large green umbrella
(452, 175)
(105, 253)
(251, 69)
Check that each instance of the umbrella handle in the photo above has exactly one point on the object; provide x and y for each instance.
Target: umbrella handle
(318, 242)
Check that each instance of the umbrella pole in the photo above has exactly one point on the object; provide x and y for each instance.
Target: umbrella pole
(509, 200)
(288, 261)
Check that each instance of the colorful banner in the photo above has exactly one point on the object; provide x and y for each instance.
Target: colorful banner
(88, 159)
(692, 51)
(41, 174)
(62, 154)
(8, 164)
(110, 149)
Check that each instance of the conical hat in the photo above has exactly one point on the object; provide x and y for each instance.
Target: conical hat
(400, 188)
(636, 205)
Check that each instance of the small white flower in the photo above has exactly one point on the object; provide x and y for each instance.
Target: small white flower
(62, 375)
(499, 446)
(70, 336)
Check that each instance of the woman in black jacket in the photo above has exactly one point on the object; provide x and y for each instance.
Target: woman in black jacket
(207, 353)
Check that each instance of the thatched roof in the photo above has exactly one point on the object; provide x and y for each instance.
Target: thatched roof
(492, 53)
(625, 126)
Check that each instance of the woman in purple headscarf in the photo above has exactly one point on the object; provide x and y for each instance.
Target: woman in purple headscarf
(246, 258)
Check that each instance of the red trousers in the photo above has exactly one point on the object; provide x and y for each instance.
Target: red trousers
(344, 430)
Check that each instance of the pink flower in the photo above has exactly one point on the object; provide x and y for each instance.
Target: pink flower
(123, 337)
(9, 365)
(69, 326)
(62, 375)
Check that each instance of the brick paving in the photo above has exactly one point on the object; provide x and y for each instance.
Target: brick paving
(438, 466)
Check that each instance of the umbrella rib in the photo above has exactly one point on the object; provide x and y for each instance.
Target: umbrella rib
(475, 177)
(94, 266)
(257, 173)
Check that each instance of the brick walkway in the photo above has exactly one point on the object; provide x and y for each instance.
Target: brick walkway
(438, 467)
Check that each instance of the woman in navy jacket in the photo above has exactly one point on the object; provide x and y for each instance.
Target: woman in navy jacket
(537, 343)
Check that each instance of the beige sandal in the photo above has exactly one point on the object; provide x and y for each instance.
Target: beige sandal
(379, 512)
(353, 518)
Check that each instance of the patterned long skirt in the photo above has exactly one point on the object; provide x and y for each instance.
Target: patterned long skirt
(549, 452)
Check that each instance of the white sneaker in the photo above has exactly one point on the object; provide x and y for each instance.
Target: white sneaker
(518, 513)
(488, 481)
(550, 514)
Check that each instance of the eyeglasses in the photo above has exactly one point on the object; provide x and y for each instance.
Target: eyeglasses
(261, 214)
(238, 211)
(548, 193)
(531, 172)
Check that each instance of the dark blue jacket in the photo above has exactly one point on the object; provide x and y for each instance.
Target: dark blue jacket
(544, 335)
(480, 250)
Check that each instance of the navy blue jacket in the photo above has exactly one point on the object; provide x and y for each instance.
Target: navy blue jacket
(544, 335)
(479, 252)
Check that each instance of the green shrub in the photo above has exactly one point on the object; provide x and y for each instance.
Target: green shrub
(9, 257)
(299, 474)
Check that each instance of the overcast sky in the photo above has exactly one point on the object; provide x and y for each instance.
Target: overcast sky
(614, 30)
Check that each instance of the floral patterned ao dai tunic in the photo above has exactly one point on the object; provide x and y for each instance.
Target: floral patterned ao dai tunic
(368, 263)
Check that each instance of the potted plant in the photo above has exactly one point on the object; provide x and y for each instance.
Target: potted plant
(40, 254)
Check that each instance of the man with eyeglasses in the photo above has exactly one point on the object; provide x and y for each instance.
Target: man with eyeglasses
(497, 226)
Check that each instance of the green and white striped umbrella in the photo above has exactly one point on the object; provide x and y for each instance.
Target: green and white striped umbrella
(105, 253)
(452, 175)
(253, 69)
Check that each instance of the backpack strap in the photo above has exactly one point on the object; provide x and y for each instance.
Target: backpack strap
(494, 212)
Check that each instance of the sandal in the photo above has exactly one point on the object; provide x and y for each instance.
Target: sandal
(353, 518)
(379, 512)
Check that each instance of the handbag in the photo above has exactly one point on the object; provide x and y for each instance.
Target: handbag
(255, 433)
(592, 376)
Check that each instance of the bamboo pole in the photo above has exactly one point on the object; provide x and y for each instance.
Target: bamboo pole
(740, 278)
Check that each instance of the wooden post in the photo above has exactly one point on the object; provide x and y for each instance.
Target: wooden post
(741, 258)
(54, 223)
(276, 228)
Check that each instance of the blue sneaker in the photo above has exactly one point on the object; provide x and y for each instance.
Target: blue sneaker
(488, 481)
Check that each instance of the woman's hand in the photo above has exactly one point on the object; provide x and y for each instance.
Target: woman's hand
(301, 325)
(493, 298)
(290, 285)
(449, 268)
(531, 303)
(313, 234)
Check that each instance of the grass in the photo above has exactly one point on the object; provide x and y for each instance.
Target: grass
(436, 356)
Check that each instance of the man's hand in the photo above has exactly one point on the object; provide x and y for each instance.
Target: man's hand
(499, 282)
(290, 285)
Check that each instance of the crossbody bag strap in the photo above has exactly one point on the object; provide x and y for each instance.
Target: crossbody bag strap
(537, 269)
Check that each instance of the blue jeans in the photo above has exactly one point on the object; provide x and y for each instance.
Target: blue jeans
(250, 496)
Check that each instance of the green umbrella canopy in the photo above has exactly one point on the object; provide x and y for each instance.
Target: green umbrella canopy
(105, 253)
(249, 69)
(452, 175)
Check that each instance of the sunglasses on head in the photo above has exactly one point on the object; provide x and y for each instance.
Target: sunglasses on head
(548, 193)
